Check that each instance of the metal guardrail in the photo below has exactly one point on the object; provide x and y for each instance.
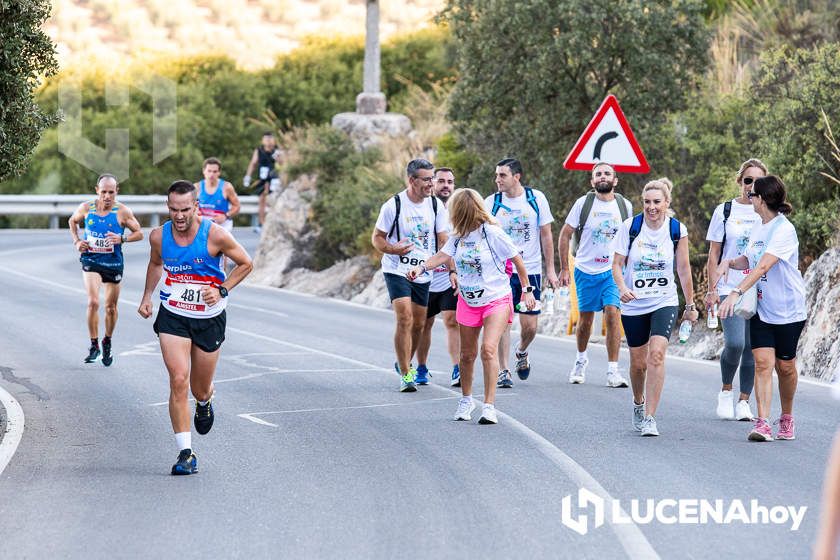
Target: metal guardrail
(58, 206)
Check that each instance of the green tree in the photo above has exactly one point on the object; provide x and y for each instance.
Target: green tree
(533, 73)
(27, 54)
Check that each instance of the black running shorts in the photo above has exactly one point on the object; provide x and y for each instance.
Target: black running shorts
(782, 338)
(400, 286)
(639, 328)
(207, 334)
(447, 300)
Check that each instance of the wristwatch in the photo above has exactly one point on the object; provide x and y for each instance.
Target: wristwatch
(739, 291)
(223, 291)
(690, 307)
(528, 289)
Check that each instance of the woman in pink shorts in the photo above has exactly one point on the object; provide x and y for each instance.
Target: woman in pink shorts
(479, 248)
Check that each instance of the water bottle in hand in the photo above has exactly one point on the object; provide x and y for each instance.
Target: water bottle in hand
(685, 331)
(712, 317)
(547, 301)
(563, 297)
(522, 308)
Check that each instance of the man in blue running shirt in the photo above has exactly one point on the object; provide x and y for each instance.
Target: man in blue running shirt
(98, 231)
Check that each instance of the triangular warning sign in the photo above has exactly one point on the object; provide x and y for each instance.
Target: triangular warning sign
(608, 138)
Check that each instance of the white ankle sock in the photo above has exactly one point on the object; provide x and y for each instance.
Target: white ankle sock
(581, 356)
(184, 440)
(612, 367)
(466, 398)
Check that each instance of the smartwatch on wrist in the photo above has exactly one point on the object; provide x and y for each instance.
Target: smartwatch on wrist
(739, 291)
(528, 289)
(223, 291)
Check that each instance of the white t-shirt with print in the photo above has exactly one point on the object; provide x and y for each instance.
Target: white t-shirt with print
(781, 292)
(417, 224)
(518, 219)
(595, 249)
(649, 269)
(480, 262)
(741, 221)
(440, 276)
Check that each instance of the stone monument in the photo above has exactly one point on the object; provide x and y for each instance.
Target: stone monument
(370, 124)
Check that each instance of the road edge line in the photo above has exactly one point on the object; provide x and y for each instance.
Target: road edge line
(15, 421)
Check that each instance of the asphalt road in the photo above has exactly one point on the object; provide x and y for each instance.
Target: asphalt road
(314, 453)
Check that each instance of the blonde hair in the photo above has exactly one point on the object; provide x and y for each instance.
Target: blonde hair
(752, 162)
(663, 185)
(467, 212)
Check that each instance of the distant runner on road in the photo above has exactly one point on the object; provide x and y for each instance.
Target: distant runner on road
(98, 231)
(191, 319)
(264, 159)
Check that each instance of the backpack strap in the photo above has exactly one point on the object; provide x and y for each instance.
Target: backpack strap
(635, 229)
(727, 210)
(584, 215)
(497, 203)
(396, 224)
(532, 200)
(674, 226)
(622, 206)
(434, 221)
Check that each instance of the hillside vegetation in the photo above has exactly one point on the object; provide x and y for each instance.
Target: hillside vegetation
(251, 32)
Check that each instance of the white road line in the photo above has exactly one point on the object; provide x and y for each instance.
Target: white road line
(258, 309)
(14, 428)
(250, 415)
(30, 249)
(630, 536)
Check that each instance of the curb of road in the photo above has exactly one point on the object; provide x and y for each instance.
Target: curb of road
(11, 427)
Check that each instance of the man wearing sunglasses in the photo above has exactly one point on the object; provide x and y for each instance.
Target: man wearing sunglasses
(593, 223)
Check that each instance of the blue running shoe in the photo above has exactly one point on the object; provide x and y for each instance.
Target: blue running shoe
(456, 376)
(186, 464)
(422, 377)
(93, 354)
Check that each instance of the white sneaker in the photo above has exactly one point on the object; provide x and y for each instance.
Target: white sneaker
(724, 407)
(578, 373)
(649, 427)
(614, 379)
(638, 416)
(488, 415)
(743, 412)
(465, 408)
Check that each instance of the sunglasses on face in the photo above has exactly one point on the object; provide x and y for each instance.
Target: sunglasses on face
(748, 180)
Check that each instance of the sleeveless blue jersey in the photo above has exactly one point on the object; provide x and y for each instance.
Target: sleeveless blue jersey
(212, 204)
(189, 270)
(101, 252)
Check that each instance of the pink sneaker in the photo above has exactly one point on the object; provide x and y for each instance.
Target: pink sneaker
(761, 431)
(785, 427)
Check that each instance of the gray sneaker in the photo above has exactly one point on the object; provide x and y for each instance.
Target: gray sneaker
(505, 381)
(638, 416)
(649, 426)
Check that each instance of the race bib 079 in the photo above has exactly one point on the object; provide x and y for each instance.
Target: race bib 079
(650, 283)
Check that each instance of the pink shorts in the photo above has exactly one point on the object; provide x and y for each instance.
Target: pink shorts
(474, 316)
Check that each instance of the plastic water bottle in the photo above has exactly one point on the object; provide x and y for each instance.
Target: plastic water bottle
(547, 301)
(712, 317)
(522, 308)
(562, 297)
(685, 331)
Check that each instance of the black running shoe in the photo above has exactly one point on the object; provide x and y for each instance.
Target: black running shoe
(203, 418)
(186, 464)
(107, 358)
(92, 355)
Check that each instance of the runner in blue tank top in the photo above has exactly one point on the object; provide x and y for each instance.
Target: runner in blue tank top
(98, 231)
(191, 319)
(217, 198)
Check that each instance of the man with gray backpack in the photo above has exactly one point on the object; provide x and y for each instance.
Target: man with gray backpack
(591, 226)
